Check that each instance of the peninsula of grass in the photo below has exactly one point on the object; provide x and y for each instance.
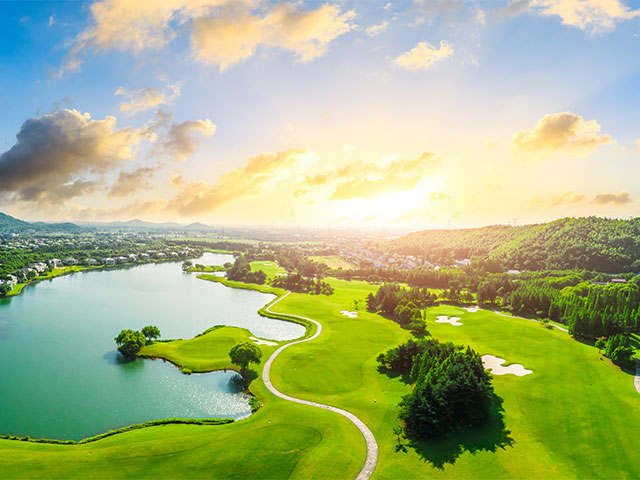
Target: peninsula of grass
(575, 416)
(281, 440)
(205, 353)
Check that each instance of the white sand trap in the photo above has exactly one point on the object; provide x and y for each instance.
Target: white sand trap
(259, 341)
(495, 365)
(349, 314)
(472, 309)
(453, 320)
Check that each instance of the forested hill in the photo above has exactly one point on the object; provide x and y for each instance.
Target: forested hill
(592, 243)
(9, 224)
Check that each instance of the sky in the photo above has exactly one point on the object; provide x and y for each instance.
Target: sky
(415, 114)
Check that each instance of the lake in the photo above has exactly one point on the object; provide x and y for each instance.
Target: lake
(63, 378)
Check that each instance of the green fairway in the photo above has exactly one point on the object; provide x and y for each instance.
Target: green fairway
(575, 416)
(272, 269)
(333, 261)
(204, 353)
(281, 440)
(572, 418)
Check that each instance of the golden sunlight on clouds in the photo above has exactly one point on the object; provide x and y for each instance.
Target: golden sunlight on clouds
(181, 143)
(260, 171)
(424, 56)
(229, 37)
(621, 198)
(62, 155)
(595, 16)
(146, 98)
(561, 132)
(223, 32)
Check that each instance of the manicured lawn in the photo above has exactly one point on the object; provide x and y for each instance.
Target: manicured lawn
(206, 352)
(575, 416)
(270, 268)
(333, 261)
(281, 440)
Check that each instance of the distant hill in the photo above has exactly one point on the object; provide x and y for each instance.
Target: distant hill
(9, 224)
(592, 243)
(137, 224)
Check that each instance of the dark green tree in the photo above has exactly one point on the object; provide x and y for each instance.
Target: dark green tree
(130, 342)
(245, 353)
(151, 332)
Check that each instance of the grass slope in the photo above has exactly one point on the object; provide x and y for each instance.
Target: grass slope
(574, 417)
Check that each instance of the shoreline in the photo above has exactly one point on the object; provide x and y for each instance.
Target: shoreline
(280, 293)
(80, 269)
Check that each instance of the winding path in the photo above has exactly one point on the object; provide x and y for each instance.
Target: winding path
(636, 379)
(372, 445)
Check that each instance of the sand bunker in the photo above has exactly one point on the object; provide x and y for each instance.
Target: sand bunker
(349, 314)
(259, 341)
(494, 364)
(444, 319)
(472, 309)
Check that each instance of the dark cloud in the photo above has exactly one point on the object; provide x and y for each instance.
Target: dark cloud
(61, 155)
(621, 198)
(129, 183)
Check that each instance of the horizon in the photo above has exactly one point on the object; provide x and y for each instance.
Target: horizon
(398, 115)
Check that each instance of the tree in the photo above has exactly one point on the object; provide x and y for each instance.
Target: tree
(4, 289)
(245, 353)
(187, 265)
(130, 342)
(151, 332)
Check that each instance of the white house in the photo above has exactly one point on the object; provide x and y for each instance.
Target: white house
(109, 261)
(70, 261)
(92, 262)
(55, 262)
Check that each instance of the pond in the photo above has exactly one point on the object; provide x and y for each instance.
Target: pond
(63, 378)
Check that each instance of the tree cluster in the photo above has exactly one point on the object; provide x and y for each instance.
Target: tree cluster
(131, 341)
(295, 282)
(452, 388)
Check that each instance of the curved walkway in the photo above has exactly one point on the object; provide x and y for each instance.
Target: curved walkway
(372, 446)
(636, 379)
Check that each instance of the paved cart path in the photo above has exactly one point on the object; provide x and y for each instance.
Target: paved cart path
(372, 446)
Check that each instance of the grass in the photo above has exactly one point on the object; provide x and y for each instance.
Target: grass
(333, 261)
(206, 352)
(574, 417)
(270, 268)
(281, 440)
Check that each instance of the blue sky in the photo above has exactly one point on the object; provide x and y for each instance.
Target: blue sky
(358, 113)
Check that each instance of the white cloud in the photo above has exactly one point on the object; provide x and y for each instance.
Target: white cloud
(423, 56)
(593, 16)
(146, 98)
(564, 131)
(373, 30)
(223, 32)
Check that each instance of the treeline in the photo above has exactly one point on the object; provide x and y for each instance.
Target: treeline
(15, 258)
(298, 283)
(452, 388)
(403, 305)
(592, 243)
(241, 271)
(588, 309)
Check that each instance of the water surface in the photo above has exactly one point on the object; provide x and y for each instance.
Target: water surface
(62, 377)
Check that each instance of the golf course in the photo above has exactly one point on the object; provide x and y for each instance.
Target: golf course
(573, 417)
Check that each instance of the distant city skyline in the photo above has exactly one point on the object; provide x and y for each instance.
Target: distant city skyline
(408, 115)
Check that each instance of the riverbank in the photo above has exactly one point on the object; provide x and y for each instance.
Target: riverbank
(59, 272)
